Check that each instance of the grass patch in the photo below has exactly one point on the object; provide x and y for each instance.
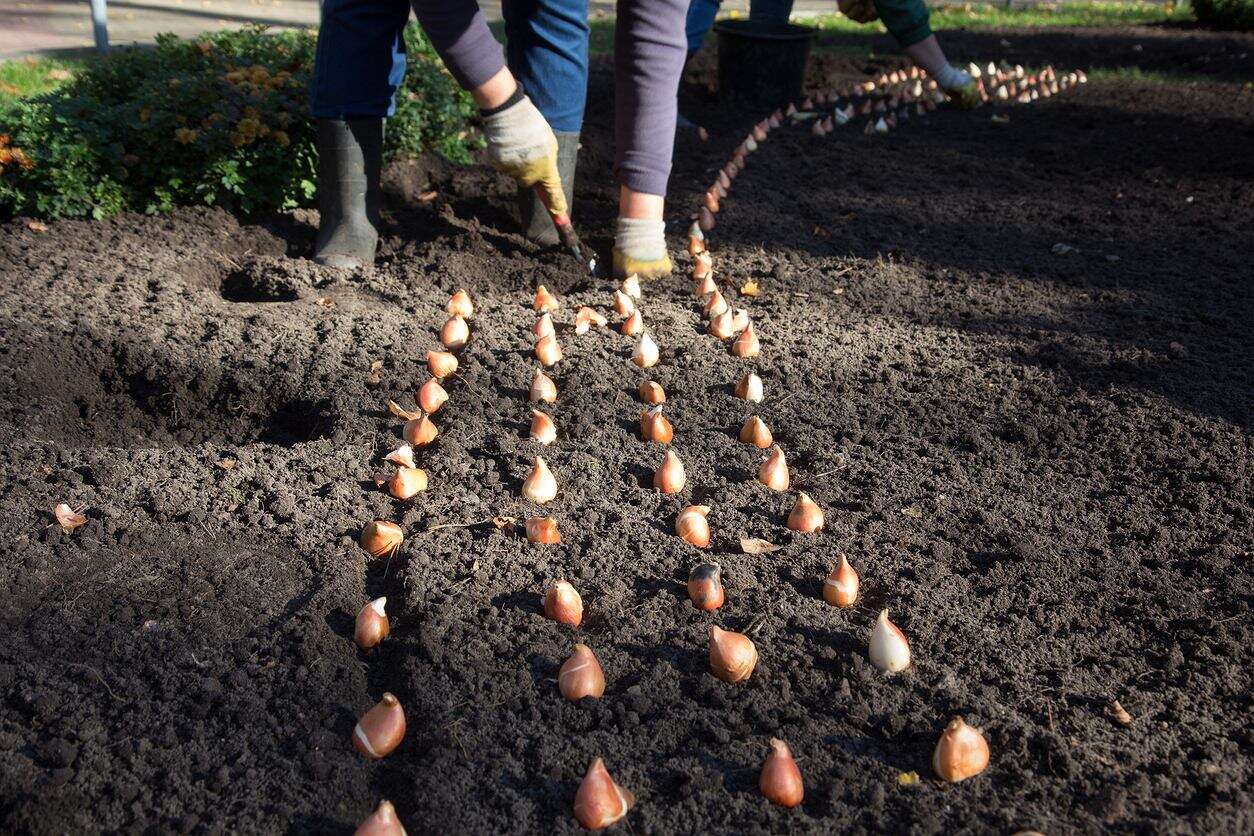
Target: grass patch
(978, 15)
(1153, 76)
(22, 77)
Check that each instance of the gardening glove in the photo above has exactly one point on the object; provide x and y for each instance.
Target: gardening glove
(640, 249)
(522, 145)
(962, 89)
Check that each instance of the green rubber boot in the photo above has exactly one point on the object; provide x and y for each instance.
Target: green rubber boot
(537, 226)
(350, 163)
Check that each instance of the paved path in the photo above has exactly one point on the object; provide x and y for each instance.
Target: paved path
(52, 26)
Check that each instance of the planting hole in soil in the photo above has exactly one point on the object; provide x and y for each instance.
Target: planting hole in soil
(1034, 459)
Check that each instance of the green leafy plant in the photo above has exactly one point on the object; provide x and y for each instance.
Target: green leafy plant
(1226, 14)
(219, 120)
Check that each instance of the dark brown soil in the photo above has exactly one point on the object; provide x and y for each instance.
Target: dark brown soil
(1039, 463)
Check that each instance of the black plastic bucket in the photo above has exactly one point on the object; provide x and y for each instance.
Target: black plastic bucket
(762, 64)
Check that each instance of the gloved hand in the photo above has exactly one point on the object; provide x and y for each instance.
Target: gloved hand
(640, 249)
(522, 145)
(962, 89)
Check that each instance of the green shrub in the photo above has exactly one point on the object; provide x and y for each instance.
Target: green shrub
(223, 119)
(1226, 14)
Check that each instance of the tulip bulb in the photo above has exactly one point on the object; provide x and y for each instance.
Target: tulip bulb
(780, 780)
(407, 482)
(543, 326)
(631, 286)
(806, 516)
(544, 300)
(747, 344)
(548, 351)
(652, 393)
(705, 586)
(721, 326)
(543, 389)
(732, 655)
(623, 304)
(381, 537)
(563, 604)
(540, 486)
(431, 396)
(543, 530)
(961, 752)
(372, 624)
(543, 430)
(455, 333)
(633, 326)
(646, 353)
(711, 199)
(715, 305)
(739, 320)
(420, 432)
(774, 471)
(586, 318)
(754, 431)
(441, 363)
(599, 802)
(750, 388)
(403, 456)
(669, 477)
(654, 426)
(381, 729)
(383, 821)
(696, 240)
(692, 525)
(841, 587)
(702, 265)
(459, 304)
(581, 675)
(703, 285)
(889, 651)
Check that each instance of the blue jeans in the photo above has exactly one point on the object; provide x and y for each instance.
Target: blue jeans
(701, 14)
(360, 61)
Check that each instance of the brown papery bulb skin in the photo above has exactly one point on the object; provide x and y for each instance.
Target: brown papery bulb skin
(548, 351)
(543, 530)
(544, 300)
(652, 393)
(774, 471)
(705, 587)
(543, 430)
(420, 432)
(806, 516)
(543, 389)
(381, 537)
(540, 484)
(750, 388)
(656, 427)
(692, 525)
(715, 305)
(599, 802)
(432, 396)
(633, 326)
(382, 822)
(703, 285)
(543, 327)
(381, 729)
(754, 431)
(563, 604)
(455, 333)
(732, 655)
(696, 245)
(841, 587)
(669, 477)
(780, 780)
(407, 482)
(459, 304)
(703, 268)
(961, 752)
(581, 675)
(623, 304)
(372, 624)
(747, 344)
(441, 364)
(721, 326)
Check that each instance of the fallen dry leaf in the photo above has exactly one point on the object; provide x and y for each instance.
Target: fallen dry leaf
(226, 464)
(68, 518)
(427, 197)
(902, 542)
(36, 226)
(753, 545)
(1118, 713)
(912, 511)
(324, 302)
(376, 373)
(749, 288)
(402, 413)
(503, 523)
(908, 779)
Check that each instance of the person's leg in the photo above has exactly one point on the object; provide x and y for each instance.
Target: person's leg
(547, 50)
(700, 20)
(359, 64)
(649, 54)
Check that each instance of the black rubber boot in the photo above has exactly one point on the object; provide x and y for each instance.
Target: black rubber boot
(537, 226)
(350, 163)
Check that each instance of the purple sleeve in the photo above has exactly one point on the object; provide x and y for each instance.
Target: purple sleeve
(460, 34)
(649, 53)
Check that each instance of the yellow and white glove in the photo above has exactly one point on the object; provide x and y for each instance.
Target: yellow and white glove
(640, 249)
(522, 145)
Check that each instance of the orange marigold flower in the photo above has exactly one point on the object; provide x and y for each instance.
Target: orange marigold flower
(145, 114)
(185, 136)
(281, 138)
(239, 140)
